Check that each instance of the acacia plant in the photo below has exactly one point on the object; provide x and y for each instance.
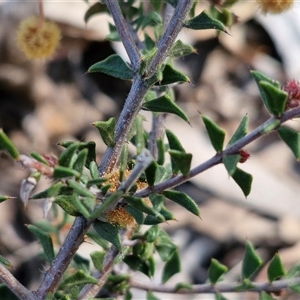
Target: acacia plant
(109, 200)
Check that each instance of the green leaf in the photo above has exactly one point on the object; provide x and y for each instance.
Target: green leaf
(109, 232)
(152, 234)
(258, 76)
(275, 268)
(62, 172)
(171, 75)
(149, 43)
(80, 205)
(98, 182)
(183, 161)
(98, 240)
(7, 145)
(204, 21)
(183, 286)
(39, 158)
(113, 35)
(180, 49)
(151, 173)
(94, 170)
(164, 246)
(215, 133)
(76, 279)
(114, 66)
(147, 251)
(141, 204)
(291, 138)
(151, 220)
(139, 138)
(107, 131)
(65, 202)
(244, 180)
(151, 19)
(96, 8)
(216, 270)
(5, 262)
(274, 98)
(251, 261)
(265, 296)
(80, 160)
(171, 267)
(50, 192)
(137, 214)
(6, 293)
(81, 262)
(165, 104)
(241, 131)
(230, 163)
(46, 241)
(80, 189)
(4, 198)
(136, 264)
(98, 259)
(220, 297)
(151, 296)
(184, 200)
(174, 143)
(160, 151)
(66, 157)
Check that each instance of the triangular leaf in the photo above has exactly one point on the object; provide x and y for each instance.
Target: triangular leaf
(274, 98)
(96, 8)
(230, 162)
(164, 246)
(291, 138)
(204, 21)
(171, 75)
(114, 66)
(180, 49)
(215, 133)
(65, 202)
(184, 200)
(216, 270)
(136, 264)
(244, 180)
(241, 131)
(251, 261)
(80, 160)
(275, 268)
(98, 259)
(165, 104)
(46, 241)
(107, 131)
(183, 161)
(258, 76)
(151, 19)
(78, 278)
(67, 156)
(171, 267)
(109, 232)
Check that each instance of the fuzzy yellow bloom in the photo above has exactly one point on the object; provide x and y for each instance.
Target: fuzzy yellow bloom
(38, 39)
(274, 6)
(121, 217)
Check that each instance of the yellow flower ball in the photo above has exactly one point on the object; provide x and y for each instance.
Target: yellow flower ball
(121, 217)
(38, 39)
(274, 6)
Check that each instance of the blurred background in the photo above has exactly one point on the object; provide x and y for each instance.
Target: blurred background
(45, 102)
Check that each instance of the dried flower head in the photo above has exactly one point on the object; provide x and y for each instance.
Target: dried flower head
(274, 6)
(121, 217)
(38, 39)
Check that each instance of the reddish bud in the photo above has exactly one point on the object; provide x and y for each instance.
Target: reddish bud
(292, 87)
(244, 155)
